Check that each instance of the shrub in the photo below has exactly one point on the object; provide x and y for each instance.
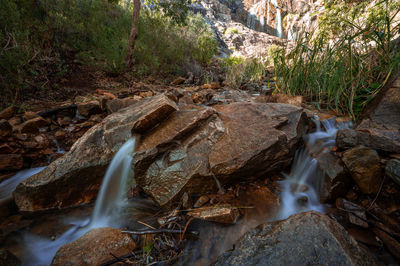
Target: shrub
(241, 70)
(163, 46)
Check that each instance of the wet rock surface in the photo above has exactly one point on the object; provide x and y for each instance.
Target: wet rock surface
(75, 178)
(96, 247)
(304, 239)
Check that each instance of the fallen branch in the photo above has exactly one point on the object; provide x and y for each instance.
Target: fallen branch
(160, 231)
(55, 110)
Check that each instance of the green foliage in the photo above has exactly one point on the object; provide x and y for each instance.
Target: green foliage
(230, 31)
(163, 46)
(241, 70)
(346, 72)
(41, 40)
(177, 10)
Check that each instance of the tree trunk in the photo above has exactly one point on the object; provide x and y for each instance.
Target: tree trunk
(134, 34)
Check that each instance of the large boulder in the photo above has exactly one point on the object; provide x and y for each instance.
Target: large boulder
(380, 128)
(364, 166)
(194, 147)
(304, 239)
(96, 247)
(76, 177)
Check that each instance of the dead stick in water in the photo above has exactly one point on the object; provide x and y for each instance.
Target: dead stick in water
(160, 231)
(122, 258)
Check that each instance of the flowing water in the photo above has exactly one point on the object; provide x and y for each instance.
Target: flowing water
(108, 207)
(300, 188)
(278, 19)
(257, 12)
(9, 185)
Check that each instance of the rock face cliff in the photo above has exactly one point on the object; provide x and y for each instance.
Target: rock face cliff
(248, 27)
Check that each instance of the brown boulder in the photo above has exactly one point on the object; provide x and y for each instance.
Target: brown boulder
(5, 128)
(258, 137)
(7, 113)
(88, 109)
(32, 125)
(191, 148)
(76, 177)
(9, 162)
(96, 247)
(364, 166)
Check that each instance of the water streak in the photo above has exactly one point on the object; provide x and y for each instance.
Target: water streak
(278, 19)
(8, 186)
(107, 210)
(300, 188)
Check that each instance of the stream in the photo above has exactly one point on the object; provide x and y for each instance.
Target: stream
(298, 194)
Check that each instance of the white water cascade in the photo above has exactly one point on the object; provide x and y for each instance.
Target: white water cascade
(278, 19)
(300, 188)
(109, 204)
(257, 12)
(9, 185)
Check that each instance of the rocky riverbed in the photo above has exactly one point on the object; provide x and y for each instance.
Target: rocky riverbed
(208, 164)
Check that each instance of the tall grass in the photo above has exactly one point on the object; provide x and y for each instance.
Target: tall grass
(345, 71)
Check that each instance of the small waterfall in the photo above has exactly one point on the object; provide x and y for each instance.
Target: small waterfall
(109, 203)
(252, 18)
(8, 186)
(110, 197)
(300, 188)
(278, 19)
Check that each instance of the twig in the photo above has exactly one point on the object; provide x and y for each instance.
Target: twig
(56, 110)
(376, 197)
(184, 230)
(160, 231)
(127, 256)
(146, 225)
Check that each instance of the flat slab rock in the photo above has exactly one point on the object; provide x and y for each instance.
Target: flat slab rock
(75, 178)
(304, 239)
(194, 147)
